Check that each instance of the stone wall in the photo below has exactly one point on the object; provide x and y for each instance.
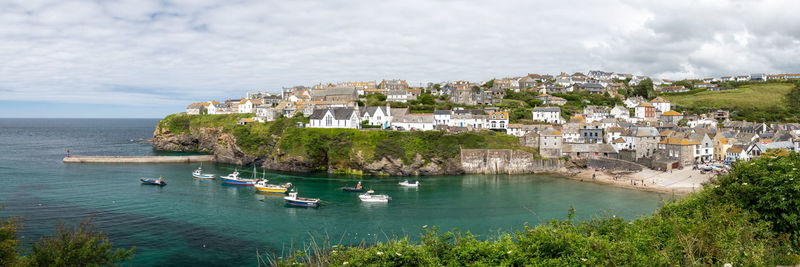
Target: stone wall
(613, 164)
(507, 161)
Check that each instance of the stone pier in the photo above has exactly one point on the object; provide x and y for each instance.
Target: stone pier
(138, 159)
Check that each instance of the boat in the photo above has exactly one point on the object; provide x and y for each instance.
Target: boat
(292, 199)
(200, 175)
(153, 181)
(234, 179)
(369, 197)
(406, 183)
(358, 188)
(263, 187)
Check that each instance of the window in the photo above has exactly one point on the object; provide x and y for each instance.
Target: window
(328, 121)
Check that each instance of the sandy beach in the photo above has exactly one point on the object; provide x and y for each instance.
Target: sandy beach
(677, 181)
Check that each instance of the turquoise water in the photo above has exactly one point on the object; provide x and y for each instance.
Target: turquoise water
(200, 221)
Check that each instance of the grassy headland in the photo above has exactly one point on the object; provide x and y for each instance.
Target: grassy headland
(339, 147)
(748, 217)
(752, 102)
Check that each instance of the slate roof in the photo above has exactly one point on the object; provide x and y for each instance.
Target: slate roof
(546, 109)
(442, 112)
(369, 111)
(338, 113)
(588, 148)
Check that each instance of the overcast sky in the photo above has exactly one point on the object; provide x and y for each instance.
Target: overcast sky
(144, 58)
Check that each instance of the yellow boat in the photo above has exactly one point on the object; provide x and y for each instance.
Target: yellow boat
(264, 187)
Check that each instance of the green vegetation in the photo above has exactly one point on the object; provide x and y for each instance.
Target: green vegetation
(180, 123)
(341, 148)
(747, 218)
(576, 101)
(779, 102)
(81, 246)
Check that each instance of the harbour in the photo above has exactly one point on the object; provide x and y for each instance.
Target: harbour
(192, 220)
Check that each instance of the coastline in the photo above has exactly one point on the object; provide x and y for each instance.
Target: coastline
(679, 182)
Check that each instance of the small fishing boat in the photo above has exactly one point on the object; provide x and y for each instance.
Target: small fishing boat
(234, 179)
(263, 187)
(153, 181)
(292, 199)
(406, 183)
(200, 175)
(358, 188)
(369, 197)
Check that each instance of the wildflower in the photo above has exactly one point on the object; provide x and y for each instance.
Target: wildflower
(744, 183)
(583, 259)
(345, 263)
(424, 226)
(380, 253)
(398, 254)
(509, 252)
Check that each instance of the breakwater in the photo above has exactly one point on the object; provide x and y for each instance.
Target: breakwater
(138, 159)
(506, 161)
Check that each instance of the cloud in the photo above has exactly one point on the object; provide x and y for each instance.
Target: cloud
(175, 52)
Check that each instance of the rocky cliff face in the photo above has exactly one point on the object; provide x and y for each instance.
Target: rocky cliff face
(223, 146)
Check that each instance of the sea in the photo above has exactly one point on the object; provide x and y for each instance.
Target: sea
(207, 223)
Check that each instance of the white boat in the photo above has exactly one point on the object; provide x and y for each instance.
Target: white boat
(369, 197)
(294, 200)
(406, 183)
(200, 175)
(234, 179)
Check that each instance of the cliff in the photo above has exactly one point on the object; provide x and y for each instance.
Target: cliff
(280, 145)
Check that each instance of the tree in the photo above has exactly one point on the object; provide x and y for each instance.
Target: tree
(645, 89)
(81, 246)
(9, 242)
(426, 99)
(683, 122)
(488, 84)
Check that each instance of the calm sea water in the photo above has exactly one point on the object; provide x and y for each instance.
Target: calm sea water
(199, 221)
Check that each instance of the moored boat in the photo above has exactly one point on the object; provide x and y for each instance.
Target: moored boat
(358, 188)
(292, 199)
(264, 187)
(200, 175)
(369, 197)
(153, 181)
(406, 183)
(234, 179)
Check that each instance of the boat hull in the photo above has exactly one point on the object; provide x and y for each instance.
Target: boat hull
(153, 182)
(271, 190)
(203, 176)
(352, 189)
(238, 182)
(301, 203)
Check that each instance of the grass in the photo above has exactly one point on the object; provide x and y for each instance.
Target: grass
(760, 96)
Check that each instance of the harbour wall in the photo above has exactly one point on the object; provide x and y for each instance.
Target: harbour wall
(138, 159)
(506, 161)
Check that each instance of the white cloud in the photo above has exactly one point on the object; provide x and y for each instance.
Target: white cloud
(177, 52)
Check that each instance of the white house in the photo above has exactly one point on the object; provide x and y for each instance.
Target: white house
(442, 117)
(219, 108)
(661, 105)
(702, 123)
(632, 102)
(335, 118)
(196, 108)
(412, 121)
(497, 120)
(547, 114)
(378, 115)
(267, 112)
(397, 96)
(248, 105)
(620, 112)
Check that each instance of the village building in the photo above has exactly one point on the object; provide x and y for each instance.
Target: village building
(414, 122)
(661, 105)
(644, 110)
(550, 143)
(390, 85)
(377, 115)
(497, 121)
(547, 114)
(442, 117)
(197, 108)
(620, 112)
(591, 150)
(335, 118)
(679, 149)
(671, 116)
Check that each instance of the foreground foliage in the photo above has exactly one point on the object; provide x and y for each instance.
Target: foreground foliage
(749, 217)
(79, 246)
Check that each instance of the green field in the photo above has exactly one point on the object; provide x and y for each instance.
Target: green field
(762, 96)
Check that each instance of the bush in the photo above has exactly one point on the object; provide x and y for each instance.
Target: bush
(81, 246)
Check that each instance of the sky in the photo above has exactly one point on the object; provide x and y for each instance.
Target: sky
(147, 59)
